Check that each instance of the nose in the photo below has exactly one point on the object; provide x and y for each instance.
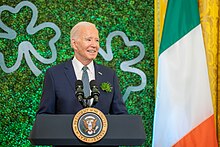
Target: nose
(95, 44)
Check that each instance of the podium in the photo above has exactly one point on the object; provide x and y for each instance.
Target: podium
(57, 130)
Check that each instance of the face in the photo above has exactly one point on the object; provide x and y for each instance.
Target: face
(86, 45)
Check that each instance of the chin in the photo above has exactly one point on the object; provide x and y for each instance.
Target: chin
(92, 57)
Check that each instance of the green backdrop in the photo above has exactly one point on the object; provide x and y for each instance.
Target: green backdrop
(21, 86)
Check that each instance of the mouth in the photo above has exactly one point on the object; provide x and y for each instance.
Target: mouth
(91, 51)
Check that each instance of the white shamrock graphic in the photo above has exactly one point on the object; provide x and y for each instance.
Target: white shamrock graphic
(25, 47)
(126, 65)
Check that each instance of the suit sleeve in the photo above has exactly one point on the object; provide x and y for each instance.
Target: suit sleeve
(118, 105)
(48, 100)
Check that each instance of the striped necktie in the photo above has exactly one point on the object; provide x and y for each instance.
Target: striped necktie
(85, 80)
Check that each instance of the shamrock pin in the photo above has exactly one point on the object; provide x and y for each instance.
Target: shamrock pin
(106, 87)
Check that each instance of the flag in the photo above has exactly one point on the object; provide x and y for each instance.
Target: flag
(184, 114)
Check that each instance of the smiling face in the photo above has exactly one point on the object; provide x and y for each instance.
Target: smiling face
(86, 43)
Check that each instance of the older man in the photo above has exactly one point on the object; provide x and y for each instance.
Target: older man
(59, 84)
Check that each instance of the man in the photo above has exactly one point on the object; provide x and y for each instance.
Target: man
(59, 84)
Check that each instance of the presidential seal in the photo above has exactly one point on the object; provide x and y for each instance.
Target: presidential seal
(90, 125)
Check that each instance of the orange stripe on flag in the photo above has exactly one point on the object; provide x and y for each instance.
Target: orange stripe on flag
(203, 135)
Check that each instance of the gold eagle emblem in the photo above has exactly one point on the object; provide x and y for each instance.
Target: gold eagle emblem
(90, 125)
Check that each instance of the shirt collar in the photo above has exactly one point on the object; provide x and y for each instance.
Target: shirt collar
(79, 65)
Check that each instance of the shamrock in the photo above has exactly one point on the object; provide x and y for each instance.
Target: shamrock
(106, 87)
(126, 65)
(25, 48)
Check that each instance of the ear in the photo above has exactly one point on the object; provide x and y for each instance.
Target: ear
(74, 44)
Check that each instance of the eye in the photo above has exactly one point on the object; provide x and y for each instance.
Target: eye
(97, 40)
(88, 39)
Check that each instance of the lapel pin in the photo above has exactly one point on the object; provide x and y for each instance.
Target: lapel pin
(100, 73)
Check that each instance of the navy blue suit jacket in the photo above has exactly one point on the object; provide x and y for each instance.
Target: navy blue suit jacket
(58, 95)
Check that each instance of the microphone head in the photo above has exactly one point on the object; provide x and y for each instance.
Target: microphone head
(79, 83)
(93, 84)
(95, 91)
(94, 88)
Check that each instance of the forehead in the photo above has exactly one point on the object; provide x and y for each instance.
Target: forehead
(89, 31)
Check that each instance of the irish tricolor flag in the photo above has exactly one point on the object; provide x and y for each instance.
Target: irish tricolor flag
(184, 112)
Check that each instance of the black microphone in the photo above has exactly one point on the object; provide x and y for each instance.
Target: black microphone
(79, 92)
(95, 91)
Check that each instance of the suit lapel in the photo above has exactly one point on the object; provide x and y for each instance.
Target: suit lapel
(98, 74)
(70, 74)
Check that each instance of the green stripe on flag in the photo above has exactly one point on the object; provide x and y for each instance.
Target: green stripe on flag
(178, 24)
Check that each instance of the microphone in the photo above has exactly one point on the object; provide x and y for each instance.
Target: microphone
(95, 91)
(79, 92)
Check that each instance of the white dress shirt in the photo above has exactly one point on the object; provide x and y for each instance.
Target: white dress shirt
(77, 65)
